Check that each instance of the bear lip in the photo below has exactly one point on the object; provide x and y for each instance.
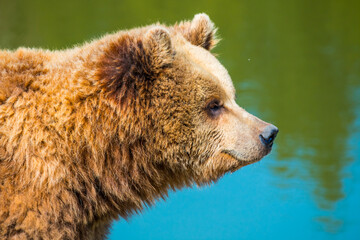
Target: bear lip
(238, 157)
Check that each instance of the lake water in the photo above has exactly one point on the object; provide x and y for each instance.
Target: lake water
(294, 63)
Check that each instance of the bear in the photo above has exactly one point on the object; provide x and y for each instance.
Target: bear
(104, 129)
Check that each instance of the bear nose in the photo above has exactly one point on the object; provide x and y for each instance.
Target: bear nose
(268, 135)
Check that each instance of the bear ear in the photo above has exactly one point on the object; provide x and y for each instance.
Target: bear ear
(200, 31)
(157, 44)
(130, 62)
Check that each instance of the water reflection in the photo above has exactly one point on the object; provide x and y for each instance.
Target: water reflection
(302, 67)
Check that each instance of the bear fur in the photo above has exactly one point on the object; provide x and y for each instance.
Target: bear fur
(105, 129)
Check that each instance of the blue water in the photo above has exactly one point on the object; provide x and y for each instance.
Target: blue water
(252, 203)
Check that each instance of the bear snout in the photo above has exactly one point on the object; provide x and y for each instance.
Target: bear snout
(268, 135)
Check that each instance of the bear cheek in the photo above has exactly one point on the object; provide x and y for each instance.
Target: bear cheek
(210, 163)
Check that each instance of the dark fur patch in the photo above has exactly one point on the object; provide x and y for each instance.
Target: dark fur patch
(118, 69)
(128, 66)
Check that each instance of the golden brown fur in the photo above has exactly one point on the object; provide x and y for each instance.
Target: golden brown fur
(103, 130)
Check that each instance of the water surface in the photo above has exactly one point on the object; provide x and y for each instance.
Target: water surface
(294, 63)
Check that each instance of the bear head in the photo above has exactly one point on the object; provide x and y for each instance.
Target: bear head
(176, 103)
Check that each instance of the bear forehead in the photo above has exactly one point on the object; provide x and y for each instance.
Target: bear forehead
(207, 61)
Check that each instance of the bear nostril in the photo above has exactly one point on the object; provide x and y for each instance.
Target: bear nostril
(268, 135)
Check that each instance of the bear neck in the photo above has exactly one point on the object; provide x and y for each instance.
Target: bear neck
(117, 169)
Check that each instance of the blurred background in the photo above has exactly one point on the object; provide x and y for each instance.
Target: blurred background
(294, 63)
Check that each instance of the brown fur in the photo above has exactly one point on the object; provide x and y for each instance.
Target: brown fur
(103, 130)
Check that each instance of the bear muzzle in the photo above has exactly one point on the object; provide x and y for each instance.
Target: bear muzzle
(268, 135)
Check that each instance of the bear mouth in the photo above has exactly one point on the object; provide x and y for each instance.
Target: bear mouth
(239, 157)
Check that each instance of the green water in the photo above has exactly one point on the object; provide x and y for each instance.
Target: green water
(294, 63)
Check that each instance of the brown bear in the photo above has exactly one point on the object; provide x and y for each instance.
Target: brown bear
(104, 129)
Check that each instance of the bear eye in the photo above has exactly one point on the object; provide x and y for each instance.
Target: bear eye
(214, 108)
